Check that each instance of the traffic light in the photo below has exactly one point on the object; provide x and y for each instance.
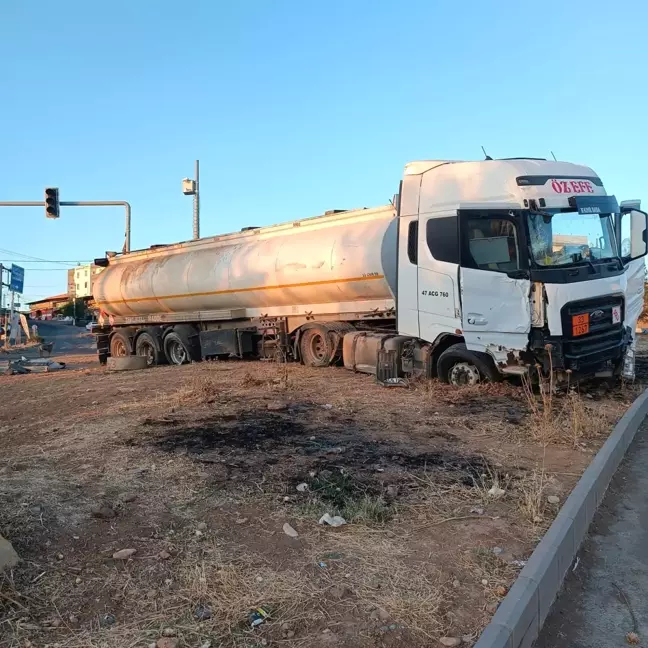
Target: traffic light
(52, 202)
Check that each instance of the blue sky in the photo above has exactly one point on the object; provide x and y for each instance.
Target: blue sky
(294, 107)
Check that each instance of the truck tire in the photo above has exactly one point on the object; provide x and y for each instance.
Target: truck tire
(120, 345)
(126, 363)
(318, 347)
(458, 366)
(176, 349)
(147, 346)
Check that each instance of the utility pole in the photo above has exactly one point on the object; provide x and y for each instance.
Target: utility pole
(192, 188)
(11, 321)
(196, 204)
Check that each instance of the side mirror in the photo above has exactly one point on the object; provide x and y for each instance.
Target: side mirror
(632, 234)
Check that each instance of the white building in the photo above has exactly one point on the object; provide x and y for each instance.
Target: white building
(84, 277)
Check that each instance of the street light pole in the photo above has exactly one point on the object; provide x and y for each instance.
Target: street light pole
(196, 203)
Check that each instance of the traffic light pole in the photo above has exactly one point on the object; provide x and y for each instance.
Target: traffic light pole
(84, 203)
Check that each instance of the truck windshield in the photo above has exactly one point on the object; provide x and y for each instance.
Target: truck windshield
(567, 238)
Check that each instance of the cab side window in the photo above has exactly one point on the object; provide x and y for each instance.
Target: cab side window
(442, 235)
(490, 244)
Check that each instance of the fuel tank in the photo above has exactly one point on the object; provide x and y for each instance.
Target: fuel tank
(336, 258)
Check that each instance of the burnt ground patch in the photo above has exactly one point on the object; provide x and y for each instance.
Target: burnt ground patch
(283, 449)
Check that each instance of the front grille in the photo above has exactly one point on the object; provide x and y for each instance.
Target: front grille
(605, 339)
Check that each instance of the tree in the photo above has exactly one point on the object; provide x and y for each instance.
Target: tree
(76, 308)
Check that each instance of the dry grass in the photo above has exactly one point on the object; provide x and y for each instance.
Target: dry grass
(567, 417)
(484, 565)
(233, 589)
(403, 545)
(376, 569)
(533, 496)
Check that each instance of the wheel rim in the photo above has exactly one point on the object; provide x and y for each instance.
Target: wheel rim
(464, 373)
(148, 352)
(118, 348)
(177, 353)
(318, 346)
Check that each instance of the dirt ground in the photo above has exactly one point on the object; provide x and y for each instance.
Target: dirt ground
(199, 468)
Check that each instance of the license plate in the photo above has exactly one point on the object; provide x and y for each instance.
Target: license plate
(580, 324)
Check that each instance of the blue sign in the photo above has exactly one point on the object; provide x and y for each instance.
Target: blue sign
(17, 282)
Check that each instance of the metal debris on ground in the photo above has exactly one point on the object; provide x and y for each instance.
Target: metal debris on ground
(394, 382)
(45, 349)
(25, 366)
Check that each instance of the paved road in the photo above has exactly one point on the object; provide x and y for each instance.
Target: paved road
(591, 611)
(68, 340)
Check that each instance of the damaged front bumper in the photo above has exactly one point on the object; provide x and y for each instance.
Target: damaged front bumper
(591, 356)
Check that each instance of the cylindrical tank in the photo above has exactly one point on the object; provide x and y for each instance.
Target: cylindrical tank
(342, 257)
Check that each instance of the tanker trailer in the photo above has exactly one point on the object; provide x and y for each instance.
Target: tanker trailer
(478, 270)
(290, 290)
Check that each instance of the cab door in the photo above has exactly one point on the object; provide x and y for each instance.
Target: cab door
(631, 235)
(438, 275)
(495, 284)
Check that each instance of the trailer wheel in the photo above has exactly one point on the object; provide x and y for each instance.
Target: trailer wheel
(458, 366)
(120, 346)
(317, 347)
(175, 350)
(146, 346)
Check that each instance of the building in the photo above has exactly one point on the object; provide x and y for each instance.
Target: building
(81, 280)
(71, 289)
(47, 308)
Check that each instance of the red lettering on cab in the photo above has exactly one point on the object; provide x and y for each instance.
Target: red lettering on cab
(572, 186)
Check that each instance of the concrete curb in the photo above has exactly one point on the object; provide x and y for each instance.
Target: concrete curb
(520, 616)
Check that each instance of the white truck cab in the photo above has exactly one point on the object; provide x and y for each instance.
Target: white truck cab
(526, 260)
(478, 270)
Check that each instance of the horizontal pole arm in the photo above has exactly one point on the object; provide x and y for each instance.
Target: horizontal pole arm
(82, 203)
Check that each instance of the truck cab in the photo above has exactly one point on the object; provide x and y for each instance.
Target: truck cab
(509, 264)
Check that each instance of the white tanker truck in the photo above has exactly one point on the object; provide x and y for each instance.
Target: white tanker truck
(477, 270)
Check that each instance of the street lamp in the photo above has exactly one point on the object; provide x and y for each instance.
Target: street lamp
(192, 188)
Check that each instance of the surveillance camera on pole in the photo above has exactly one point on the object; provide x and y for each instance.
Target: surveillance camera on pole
(192, 188)
(188, 187)
(52, 208)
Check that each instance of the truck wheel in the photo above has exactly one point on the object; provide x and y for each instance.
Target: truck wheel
(119, 345)
(128, 363)
(317, 347)
(146, 346)
(458, 366)
(175, 350)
